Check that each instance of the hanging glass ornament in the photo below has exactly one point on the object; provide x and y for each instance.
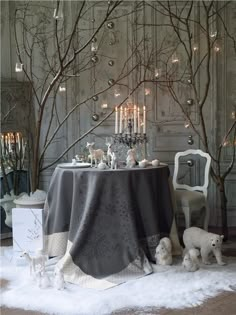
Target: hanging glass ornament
(111, 82)
(94, 59)
(110, 25)
(187, 124)
(95, 117)
(190, 101)
(111, 63)
(58, 13)
(117, 92)
(174, 58)
(147, 91)
(212, 31)
(19, 67)
(190, 140)
(94, 46)
(62, 87)
(95, 98)
(158, 72)
(216, 48)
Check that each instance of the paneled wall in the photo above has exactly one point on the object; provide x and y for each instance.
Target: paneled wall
(166, 132)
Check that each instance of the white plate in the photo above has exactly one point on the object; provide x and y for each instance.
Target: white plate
(77, 165)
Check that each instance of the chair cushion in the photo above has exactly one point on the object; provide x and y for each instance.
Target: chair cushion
(186, 198)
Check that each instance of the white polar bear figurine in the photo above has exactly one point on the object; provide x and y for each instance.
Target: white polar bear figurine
(206, 242)
(163, 252)
(191, 261)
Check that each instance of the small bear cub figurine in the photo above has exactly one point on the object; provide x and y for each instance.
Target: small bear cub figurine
(191, 261)
(206, 242)
(163, 252)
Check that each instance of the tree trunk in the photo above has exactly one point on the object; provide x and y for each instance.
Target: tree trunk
(223, 206)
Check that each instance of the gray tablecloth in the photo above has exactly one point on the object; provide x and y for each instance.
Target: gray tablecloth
(106, 223)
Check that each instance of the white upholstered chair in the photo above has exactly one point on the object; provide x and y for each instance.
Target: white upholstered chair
(190, 199)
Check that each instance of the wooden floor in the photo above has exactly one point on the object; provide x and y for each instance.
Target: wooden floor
(223, 304)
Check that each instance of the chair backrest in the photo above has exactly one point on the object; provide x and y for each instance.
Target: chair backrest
(202, 188)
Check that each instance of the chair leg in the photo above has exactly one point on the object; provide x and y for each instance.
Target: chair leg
(187, 215)
(207, 216)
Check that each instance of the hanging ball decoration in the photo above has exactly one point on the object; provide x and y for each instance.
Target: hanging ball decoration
(94, 59)
(189, 81)
(190, 163)
(190, 101)
(95, 117)
(94, 40)
(111, 82)
(190, 140)
(95, 98)
(111, 63)
(93, 20)
(109, 2)
(110, 25)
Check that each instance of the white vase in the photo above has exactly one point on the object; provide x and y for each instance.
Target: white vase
(29, 204)
(36, 200)
(7, 204)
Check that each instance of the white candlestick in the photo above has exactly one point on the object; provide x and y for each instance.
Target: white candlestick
(9, 143)
(2, 144)
(144, 119)
(138, 120)
(116, 121)
(126, 122)
(18, 140)
(135, 119)
(121, 117)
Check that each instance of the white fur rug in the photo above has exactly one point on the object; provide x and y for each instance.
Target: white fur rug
(169, 286)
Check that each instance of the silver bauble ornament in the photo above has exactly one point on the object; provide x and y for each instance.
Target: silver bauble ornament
(95, 117)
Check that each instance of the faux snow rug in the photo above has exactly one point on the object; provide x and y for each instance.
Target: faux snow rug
(168, 287)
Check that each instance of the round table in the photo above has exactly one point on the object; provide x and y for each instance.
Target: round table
(109, 218)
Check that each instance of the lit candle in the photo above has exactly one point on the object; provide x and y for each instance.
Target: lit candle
(135, 119)
(116, 121)
(138, 120)
(125, 118)
(144, 119)
(9, 142)
(18, 140)
(121, 117)
(2, 144)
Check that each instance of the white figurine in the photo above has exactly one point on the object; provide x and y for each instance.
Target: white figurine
(131, 158)
(45, 281)
(167, 243)
(102, 166)
(155, 163)
(195, 237)
(113, 161)
(190, 261)
(59, 282)
(96, 155)
(109, 154)
(36, 262)
(163, 253)
(143, 163)
(73, 161)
